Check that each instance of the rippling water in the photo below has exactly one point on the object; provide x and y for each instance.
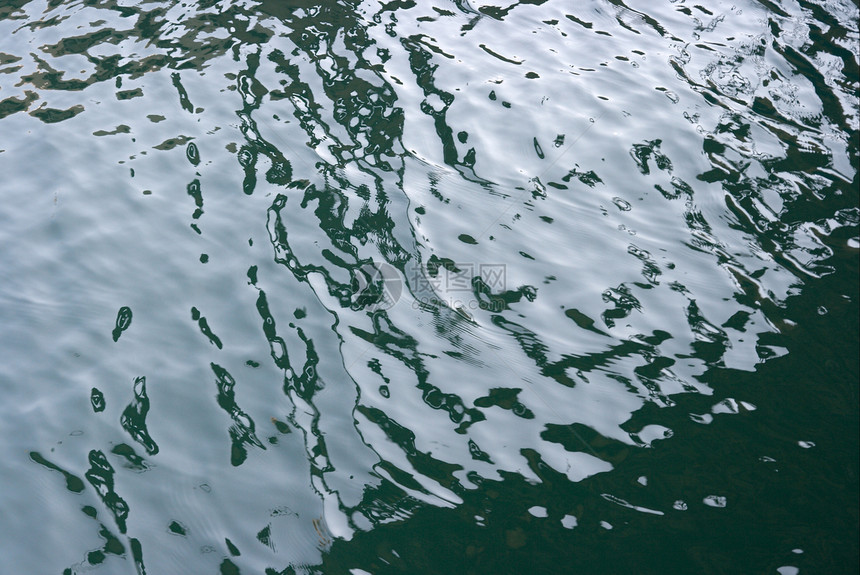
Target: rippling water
(429, 287)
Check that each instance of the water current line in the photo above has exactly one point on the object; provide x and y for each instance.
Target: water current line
(516, 201)
(554, 162)
(501, 359)
(284, 142)
(531, 387)
(539, 396)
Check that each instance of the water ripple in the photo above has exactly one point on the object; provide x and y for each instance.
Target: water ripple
(499, 269)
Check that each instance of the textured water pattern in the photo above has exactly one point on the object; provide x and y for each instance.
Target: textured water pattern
(429, 287)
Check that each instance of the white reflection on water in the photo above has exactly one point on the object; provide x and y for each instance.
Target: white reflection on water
(630, 169)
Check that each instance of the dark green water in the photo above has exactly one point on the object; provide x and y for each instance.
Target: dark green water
(429, 287)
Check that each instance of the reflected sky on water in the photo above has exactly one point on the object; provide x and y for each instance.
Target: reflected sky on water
(429, 287)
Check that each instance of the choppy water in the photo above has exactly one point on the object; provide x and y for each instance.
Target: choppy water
(429, 287)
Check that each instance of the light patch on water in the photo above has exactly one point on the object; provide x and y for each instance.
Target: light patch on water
(538, 511)
(569, 521)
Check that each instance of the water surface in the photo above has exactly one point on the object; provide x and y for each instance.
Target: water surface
(429, 287)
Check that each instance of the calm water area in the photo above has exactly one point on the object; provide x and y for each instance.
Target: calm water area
(455, 287)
